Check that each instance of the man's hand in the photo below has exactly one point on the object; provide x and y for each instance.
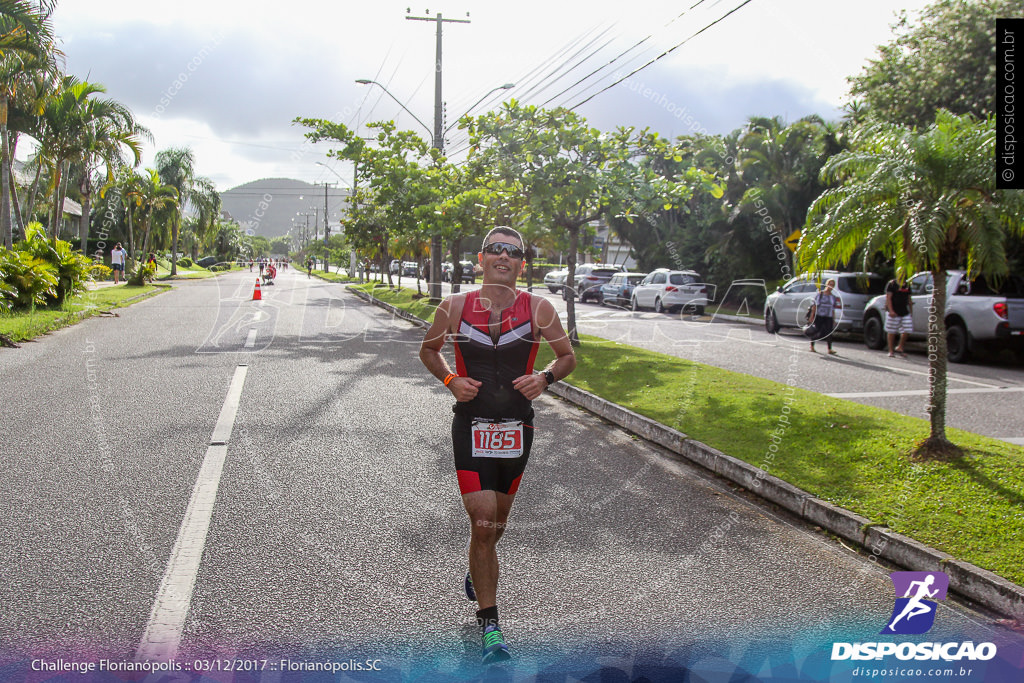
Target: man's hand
(464, 388)
(530, 386)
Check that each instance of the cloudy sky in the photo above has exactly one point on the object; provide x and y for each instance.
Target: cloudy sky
(227, 77)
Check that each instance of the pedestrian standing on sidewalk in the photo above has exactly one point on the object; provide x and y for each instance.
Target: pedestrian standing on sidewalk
(118, 256)
(496, 332)
(899, 309)
(823, 310)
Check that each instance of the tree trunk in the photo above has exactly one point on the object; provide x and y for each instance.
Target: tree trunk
(457, 265)
(131, 237)
(570, 283)
(528, 246)
(6, 228)
(937, 445)
(58, 202)
(18, 226)
(83, 221)
(174, 246)
(35, 190)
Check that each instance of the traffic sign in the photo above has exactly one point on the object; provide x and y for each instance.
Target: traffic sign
(793, 240)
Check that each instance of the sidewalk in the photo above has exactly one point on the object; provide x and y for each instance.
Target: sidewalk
(972, 582)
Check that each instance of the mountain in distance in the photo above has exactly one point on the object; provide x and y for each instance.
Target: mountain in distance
(272, 206)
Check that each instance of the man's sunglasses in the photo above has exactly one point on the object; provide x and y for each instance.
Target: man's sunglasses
(495, 248)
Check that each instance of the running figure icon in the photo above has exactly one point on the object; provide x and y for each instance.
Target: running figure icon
(914, 606)
(917, 596)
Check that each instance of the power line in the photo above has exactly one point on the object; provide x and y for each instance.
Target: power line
(663, 54)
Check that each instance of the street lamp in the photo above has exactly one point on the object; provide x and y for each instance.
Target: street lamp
(507, 86)
(368, 81)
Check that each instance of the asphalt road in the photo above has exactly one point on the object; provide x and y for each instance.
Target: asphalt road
(337, 529)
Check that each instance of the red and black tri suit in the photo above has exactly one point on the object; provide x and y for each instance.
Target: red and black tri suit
(496, 364)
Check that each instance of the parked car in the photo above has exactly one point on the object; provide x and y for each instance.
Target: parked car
(394, 266)
(977, 313)
(588, 279)
(619, 290)
(409, 269)
(788, 305)
(468, 274)
(555, 280)
(672, 290)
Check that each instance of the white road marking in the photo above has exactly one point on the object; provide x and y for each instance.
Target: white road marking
(250, 341)
(923, 392)
(162, 637)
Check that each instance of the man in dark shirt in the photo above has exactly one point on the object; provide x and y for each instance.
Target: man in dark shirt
(899, 320)
(496, 331)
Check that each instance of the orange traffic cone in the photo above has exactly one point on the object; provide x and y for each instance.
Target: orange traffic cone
(256, 294)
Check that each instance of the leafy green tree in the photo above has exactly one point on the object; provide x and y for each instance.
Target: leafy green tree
(945, 59)
(177, 168)
(568, 174)
(929, 201)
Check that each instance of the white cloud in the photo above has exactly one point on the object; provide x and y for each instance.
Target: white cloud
(251, 67)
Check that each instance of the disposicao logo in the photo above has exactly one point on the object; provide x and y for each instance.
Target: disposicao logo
(917, 596)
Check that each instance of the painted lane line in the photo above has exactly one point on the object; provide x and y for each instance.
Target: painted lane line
(250, 341)
(162, 637)
(924, 392)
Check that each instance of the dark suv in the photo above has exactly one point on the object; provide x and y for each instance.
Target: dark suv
(588, 280)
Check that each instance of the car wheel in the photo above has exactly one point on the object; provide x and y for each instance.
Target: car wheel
(600, 299)
(658, 308)
(700, 310)
(957, 346)
(552, 290)
(874, 332)
(771, 323)
(633, 304)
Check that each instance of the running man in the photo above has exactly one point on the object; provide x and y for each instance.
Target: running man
(914, 606)
(496, 332)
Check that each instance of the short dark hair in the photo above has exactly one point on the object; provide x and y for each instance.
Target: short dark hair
(504, 230)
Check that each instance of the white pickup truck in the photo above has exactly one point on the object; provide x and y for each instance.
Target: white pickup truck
(976, 313)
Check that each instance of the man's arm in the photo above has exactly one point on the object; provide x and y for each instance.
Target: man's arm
(551, 330)
(463, 388)
(888, 303)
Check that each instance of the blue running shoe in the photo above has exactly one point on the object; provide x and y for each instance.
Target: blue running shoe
(495, 649)
(470, 592)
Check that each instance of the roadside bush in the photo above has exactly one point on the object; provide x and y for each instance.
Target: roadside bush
(72, 268)
(27, 281)
(184, 262)
(145, 273)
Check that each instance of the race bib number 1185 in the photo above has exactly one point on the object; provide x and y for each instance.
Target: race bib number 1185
(497, 439)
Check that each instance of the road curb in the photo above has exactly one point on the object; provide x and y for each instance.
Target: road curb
(977, 584)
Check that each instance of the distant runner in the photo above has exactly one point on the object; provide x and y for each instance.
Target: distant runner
(496, 332)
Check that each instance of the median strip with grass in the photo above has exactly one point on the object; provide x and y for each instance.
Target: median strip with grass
(852, 455)
(27, 325)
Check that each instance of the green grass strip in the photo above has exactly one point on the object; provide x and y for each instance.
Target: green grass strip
(406, 299)
(852, 455)
(26, 325)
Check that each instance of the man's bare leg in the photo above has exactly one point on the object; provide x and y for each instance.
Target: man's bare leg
(488, 513)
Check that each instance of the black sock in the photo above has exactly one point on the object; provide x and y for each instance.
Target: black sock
(486, 617)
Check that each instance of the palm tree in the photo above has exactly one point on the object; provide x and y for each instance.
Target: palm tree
(26, 48)
(779, 166)
(929, 201)
(177, 167)
(102, 144)
(151, 196)
(76, 126)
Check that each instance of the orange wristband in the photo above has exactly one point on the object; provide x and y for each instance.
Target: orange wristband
(449, 378)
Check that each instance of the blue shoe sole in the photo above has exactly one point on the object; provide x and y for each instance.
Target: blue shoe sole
(498, 653)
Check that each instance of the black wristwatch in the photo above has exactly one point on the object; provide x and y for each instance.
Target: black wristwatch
(550, 377)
